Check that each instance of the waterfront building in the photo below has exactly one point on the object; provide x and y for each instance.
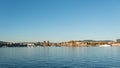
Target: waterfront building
(115, 44)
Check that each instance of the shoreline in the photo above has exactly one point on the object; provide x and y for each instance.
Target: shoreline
(85, 43)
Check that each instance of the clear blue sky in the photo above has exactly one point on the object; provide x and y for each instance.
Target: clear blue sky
(59, 20)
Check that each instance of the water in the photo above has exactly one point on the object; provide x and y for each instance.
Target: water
(60, 57)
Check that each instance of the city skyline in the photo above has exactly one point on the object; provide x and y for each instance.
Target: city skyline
(59, 20)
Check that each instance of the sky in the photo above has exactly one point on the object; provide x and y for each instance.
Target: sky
(59, 20)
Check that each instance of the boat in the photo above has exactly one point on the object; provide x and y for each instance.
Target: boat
(105, 45)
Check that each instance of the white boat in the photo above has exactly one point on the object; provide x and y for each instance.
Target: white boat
(106, 45)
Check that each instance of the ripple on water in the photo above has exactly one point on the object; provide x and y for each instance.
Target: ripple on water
(60, 57)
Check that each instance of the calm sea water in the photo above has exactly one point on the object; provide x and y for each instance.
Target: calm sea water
(60, 57)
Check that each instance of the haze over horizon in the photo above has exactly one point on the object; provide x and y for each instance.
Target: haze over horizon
(59, 20)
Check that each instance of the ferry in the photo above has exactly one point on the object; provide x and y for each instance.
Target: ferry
(106, 45)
